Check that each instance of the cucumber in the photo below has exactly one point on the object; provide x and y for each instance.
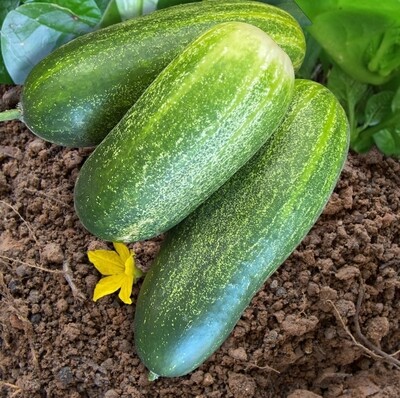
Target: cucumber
(204, 116)
(211, 265)
(77, 94)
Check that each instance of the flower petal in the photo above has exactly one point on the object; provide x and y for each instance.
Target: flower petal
(122, 250)
(126, 290)
(130, 266)
(107, 262)
(132, 270)
(108, 285)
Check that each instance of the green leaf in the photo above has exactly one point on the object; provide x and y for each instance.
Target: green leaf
(395, 105)
(6, 6)
(111, 15)
(292, 8)
(87, 10)
(378, 107)
(102, 4)
(313, 8)
(121, 10)
(5, 78)
(363, 143)
(347, 41)
(348, 91)
(385, 58)
(32, 31)
(362, 36)
(389, 122)
(134, 8)
(388, 141)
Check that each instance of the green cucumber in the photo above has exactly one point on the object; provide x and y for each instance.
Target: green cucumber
(211, 265)
(77, 94)
(204, 116)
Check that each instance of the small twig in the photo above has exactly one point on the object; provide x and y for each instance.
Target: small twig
(375, 352)
(267, 367)
(372, 354)
(361, 337)
(78, 295)
(53, 271)
(17, 389)
(395, 353)
(15, 393)
(24, 221)
(5, 384)
(66, 272)
(34, 192)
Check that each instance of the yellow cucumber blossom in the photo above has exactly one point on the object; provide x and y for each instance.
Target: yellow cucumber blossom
(119, 269)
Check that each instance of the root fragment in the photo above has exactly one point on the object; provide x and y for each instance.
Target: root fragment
(361, 341)
(16, 390)
(78, 295)
(23, 220)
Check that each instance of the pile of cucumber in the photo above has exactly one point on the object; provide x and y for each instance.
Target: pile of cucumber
(203, 132)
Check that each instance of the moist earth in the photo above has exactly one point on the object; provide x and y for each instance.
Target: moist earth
(326, 324)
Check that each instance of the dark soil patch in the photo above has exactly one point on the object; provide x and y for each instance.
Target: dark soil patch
(56, 344)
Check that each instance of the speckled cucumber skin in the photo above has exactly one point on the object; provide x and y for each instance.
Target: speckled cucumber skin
(203, 117)
(211, 265)
(77, 94)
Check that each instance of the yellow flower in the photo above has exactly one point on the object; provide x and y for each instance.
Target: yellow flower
(120, 270)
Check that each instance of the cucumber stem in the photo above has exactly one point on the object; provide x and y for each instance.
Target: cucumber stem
(152, 376)
(11, 114)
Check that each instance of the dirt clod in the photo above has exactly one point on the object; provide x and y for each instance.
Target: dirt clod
(238, 353)
(52, 253)
(65, 377)
(377, 328)
(241, 386)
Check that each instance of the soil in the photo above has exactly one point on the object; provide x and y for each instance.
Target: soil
(301, 337)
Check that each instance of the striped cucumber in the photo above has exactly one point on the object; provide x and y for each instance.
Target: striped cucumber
(203, 117)
(77, 94)
(212, 264)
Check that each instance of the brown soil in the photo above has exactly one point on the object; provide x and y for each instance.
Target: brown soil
(293, 341)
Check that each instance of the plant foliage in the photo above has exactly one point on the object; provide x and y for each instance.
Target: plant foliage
(32, 29)
(354, 48)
